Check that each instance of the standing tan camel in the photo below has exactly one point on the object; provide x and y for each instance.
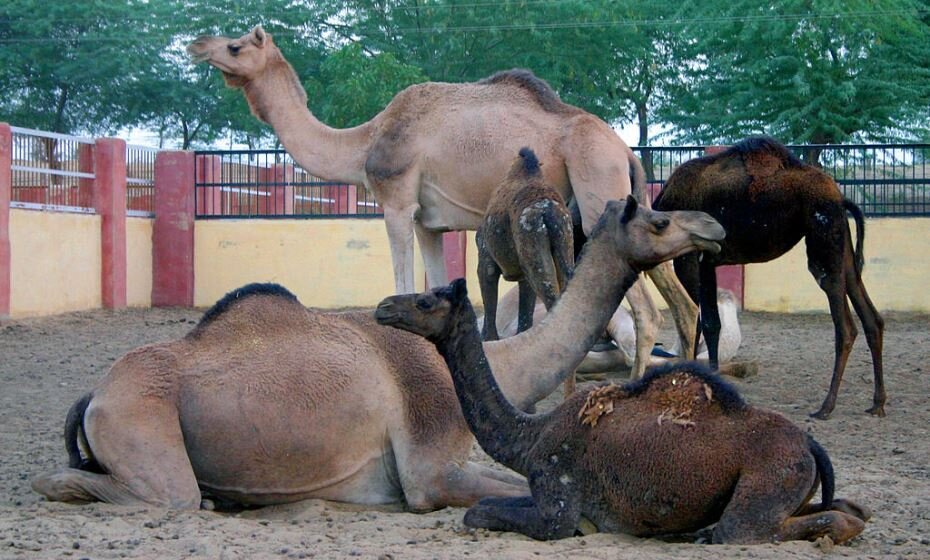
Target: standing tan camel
(433, 156)
(266, 401)
(671, 453)
(526, 236)
(768, 199)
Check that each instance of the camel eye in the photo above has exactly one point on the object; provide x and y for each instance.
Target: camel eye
(423, 304)
(234, 49)
(661, 224)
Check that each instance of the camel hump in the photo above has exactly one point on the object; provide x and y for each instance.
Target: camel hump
(529, 161)
(763, 144)
(239, 294)
(539, 88)
(709, 384)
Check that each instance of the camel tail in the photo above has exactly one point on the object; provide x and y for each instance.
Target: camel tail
(825, 470)
(640, 188)
(74, 429)
(857, 215)
(530, 162)
(561, 246)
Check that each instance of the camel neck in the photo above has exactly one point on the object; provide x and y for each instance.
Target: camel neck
(531, 365)
(332, 154)
(504, 432)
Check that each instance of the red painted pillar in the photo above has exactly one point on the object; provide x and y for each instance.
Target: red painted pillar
(110, 204)
(346, 197)
(453, 249)
(210, 198)
(6, 193)
(282, 189)
(729, 277)
(173, 231)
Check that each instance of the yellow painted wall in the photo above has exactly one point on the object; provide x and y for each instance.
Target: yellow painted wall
(326, 263)
(55, 262)
(139, 261)
(896, 272)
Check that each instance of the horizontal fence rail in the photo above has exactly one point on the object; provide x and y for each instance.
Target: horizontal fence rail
(269, 184)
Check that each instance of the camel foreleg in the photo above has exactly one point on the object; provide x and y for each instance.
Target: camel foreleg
(433, 258)
(399, 223)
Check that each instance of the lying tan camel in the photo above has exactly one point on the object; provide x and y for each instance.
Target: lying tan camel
(672, 453)
(621, 330)
(266, 401)
(434, 155)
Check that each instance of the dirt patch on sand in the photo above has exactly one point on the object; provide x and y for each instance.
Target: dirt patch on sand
(46, 363)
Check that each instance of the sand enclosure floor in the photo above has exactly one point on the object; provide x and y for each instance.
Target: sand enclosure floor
(46, 363)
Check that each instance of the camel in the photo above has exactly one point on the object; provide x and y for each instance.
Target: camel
(672, 453)
(233, 411)
(620, 328)
(767, 199)
(526, 236)
(434, 155)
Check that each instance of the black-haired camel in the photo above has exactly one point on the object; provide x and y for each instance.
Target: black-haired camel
(526, 236)
(672, 453)
(434, 155)
(767, 199)
(266, 401)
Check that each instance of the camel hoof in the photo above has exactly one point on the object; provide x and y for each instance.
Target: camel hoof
(852, 508)
(877, 410)
(821, 414)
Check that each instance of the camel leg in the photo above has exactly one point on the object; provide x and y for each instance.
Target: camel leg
(489, 274)
(646, 321)
(458, 485)
(710, 315)
(433, 259)
(688, 271)
(527, 306)
(874, 327)
(837, 525)
(399, 223)
(845, 506)
(554, 517)
(684, 309)
(138, 441)
(827, 268)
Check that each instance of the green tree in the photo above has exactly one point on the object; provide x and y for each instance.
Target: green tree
(817, 71)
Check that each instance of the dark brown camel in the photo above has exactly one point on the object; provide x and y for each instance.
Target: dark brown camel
(674, 452)
(767, 200)
(526, 236)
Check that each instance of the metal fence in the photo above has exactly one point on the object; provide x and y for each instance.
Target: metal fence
(883, 179)
(52, 169)
(57, 170)
(269, 184)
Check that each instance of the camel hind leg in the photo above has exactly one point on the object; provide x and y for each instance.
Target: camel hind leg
(683, 307)
(646, 320)
(139, 443)
(874, 327)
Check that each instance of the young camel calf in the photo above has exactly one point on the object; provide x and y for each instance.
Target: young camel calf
(673, 452)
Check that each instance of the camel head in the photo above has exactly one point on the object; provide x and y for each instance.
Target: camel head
(648, 237)
(429, 314)
(240, 60)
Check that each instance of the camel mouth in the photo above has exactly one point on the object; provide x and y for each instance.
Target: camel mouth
(706, 244)
(385, 316)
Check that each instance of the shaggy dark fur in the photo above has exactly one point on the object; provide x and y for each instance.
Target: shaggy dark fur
(725, 394)
(234, 296)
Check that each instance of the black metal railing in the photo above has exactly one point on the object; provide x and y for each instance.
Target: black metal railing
(883, 179)
(269, 184)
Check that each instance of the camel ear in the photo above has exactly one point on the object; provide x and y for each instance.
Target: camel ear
(259, 36)
(459, 291)
(629, 210)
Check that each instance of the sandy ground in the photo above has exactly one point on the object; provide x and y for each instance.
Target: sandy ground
(46, 363)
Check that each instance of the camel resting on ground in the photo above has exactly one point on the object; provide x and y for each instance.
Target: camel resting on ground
(767, 199)
(672, 453)
(436, 152)
(266, 401)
